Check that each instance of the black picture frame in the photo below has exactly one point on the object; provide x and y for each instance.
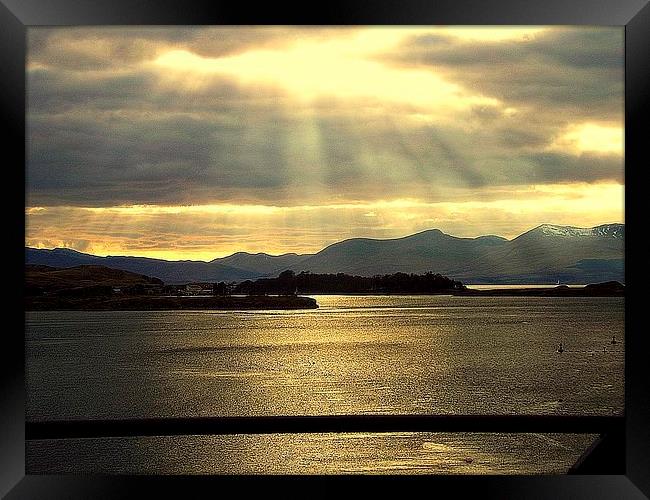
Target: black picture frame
(17, 15)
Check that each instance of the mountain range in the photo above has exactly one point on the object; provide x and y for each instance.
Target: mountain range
(545, 254)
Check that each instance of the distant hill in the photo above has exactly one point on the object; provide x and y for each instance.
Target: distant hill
(46, 278)
(548, 253)
(183, 271)
(430, 250)
(261, 263)
(545, 254)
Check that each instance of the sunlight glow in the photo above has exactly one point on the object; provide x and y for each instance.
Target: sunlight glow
(592, 137)
(491, 33)
(204, 232)
(337, 68)
(195, 143)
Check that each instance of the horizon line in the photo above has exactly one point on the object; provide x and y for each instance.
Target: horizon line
(335, 243)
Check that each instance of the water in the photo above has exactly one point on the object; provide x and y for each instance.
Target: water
(516, 287)
(355, 453)
(384, 354)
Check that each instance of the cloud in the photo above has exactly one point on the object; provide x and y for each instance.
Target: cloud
(208, 231)
(565, 68)
(569, 168)
(92, 48)
(286, 117)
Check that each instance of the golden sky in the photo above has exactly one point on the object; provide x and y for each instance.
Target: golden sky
(195, 143)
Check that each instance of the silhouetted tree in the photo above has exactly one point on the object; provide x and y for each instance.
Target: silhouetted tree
(288, 283)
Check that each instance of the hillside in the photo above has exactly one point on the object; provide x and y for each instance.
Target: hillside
(430, 250)
(548, 253)
(544, 254)
(84, 275)
(183, 271)
(261, 263)
(40, 278)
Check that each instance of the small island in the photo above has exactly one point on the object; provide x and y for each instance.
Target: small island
(428, 283)
(606, 289)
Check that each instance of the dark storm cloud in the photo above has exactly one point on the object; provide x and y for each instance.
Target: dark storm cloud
(91, 48)
(574, 46)
(161, 159)
(515, 138)
(557, 167)
(576, 68)
(52, 91)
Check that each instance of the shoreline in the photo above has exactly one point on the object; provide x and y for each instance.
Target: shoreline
(288, 302)
(156, 303)
(540, 292)
(593, 290)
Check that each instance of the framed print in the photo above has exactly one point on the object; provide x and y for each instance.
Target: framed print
(355, 241)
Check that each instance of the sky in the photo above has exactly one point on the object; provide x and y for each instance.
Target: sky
(198, 142)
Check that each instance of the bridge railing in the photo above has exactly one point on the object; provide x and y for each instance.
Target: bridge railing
(605, 456)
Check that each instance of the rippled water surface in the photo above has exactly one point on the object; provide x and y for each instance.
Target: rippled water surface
(358, 355)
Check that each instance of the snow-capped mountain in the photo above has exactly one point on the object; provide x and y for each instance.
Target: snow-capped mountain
(604, 230)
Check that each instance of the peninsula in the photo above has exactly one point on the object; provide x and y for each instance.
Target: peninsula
(103, 288)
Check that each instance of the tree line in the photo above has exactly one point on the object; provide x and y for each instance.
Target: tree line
(290, 283)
